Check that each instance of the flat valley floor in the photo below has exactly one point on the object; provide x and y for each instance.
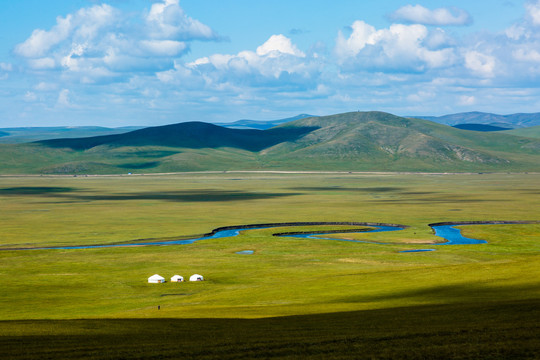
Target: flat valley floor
(290, 298)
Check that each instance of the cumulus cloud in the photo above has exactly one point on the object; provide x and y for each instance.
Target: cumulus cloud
(480, 64)
(100, 42)
(418, 14)
(400, 48)
(277, 45)
(277, 59)
(167, 20)
(533, 12)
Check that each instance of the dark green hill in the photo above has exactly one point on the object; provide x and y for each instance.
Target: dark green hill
(356, 141)
(194, 135)
(479, 127)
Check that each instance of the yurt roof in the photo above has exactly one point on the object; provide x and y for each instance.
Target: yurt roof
(156, 277)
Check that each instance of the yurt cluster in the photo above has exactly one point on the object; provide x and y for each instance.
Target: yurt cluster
(157, 279)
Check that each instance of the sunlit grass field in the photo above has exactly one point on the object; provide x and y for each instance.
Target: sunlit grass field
(325, 282)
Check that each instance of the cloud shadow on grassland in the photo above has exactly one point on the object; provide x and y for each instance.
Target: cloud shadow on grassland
(204, 195)
(450, 293)
(183, 196)
(338, 188)
(36, 190)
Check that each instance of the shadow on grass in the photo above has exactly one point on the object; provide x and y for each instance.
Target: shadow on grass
(339, 188)
(208, 195)
(496, 330)
(449, 293)
(35, 190)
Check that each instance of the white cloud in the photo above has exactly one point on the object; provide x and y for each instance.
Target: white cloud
(41, 41)
(6, 67)
(63, 98)
(533, 12)
(44, 86)
(277, 45)
(480, 64)
(167, 20)
(442, 16)
(30, 96)
(100, 43)
(526, 55)
(467, 100)
(42, 63)
(163, 47)
(277, 58)
(397, 48)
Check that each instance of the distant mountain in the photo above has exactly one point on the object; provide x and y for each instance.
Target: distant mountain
(508, 121)
(356, 141)
(27, 134)
(261, 124)
(479, 127)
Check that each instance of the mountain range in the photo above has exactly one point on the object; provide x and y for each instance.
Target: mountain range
(356, 141)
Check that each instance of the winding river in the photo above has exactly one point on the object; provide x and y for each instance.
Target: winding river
(447, 231)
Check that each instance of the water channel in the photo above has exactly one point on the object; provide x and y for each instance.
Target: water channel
(447, 231)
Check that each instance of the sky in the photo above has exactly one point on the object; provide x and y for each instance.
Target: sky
(153, 62)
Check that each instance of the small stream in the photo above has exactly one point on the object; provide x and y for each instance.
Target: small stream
(447, 231)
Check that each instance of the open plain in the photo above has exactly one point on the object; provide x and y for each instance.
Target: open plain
(291, 297)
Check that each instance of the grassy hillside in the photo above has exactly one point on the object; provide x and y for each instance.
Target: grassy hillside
(532, 132)
(358, 141)
(385, 142)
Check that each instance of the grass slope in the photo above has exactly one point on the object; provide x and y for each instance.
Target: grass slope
(505, 330)
(532, 132)
(359, 141)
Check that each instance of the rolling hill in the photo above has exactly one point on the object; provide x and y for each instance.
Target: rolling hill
(357, 141)
(506, 121)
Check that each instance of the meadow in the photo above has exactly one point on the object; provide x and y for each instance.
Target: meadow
(292, 297)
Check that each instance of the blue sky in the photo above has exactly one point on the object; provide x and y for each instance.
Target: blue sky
(142, 62)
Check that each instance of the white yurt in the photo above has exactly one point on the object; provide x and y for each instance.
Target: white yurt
(177, 278)
(156, 279)
(196, 277)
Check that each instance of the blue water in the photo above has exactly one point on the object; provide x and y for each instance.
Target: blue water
(448, 232)
(245, 252)
(217, 235)
(417, 250)
(453, 236)
(318, 235)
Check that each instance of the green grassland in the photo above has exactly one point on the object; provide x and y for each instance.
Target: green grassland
(292, 297)
(532, 132)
